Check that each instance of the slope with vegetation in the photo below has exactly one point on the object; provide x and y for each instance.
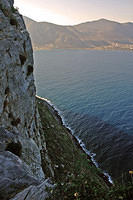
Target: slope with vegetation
(76, 177)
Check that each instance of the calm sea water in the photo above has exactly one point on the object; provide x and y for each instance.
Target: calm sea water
(94, 92)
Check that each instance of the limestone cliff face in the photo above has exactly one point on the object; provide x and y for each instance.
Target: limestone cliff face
(21, 140)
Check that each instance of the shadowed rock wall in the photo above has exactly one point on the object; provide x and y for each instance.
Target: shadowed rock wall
(21, 137)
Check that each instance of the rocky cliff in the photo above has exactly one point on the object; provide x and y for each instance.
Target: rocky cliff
(34, 144)
(21, 138)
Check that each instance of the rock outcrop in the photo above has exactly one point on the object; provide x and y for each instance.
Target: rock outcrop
(22, 141)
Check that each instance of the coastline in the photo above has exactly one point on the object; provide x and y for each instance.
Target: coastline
(87, 49)
(90, 156)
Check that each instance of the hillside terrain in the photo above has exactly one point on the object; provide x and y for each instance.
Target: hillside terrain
(100, 34)
(75, 175)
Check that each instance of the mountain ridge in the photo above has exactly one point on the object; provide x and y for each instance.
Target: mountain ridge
(98, 34)
(91, 21)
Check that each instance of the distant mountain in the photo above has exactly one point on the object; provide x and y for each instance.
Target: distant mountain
(100, 34)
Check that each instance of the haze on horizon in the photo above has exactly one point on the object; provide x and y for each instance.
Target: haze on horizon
(70, 12)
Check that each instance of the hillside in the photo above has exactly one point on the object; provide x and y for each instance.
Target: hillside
(100, 34)
(76, 177)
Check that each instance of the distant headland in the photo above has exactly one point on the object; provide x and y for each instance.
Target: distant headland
(100, 34)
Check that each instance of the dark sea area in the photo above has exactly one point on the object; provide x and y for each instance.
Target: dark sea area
(93, 90)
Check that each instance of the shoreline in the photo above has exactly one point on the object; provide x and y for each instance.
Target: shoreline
(86, 49)
(90, 156)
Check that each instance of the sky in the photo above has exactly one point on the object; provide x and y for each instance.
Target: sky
(70, 12)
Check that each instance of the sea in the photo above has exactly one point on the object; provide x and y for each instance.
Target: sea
(93, 92)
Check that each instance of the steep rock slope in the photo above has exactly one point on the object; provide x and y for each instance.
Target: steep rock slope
(21, 138)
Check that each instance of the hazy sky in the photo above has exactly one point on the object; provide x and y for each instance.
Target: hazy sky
(76, 11)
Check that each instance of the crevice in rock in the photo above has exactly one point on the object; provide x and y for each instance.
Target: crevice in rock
(7, 90)
(29, 70)
(22, 59)
(15, 148)
(14, 22)
(8, 51)
(10, 115)
(24, 46)
(15, 122)
(5, 104)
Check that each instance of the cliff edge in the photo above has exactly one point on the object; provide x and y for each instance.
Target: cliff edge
(21, 138)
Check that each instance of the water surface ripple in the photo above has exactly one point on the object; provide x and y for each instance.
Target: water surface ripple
(94, 92)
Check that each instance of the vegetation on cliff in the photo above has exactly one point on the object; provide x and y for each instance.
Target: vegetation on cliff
(76, 177)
